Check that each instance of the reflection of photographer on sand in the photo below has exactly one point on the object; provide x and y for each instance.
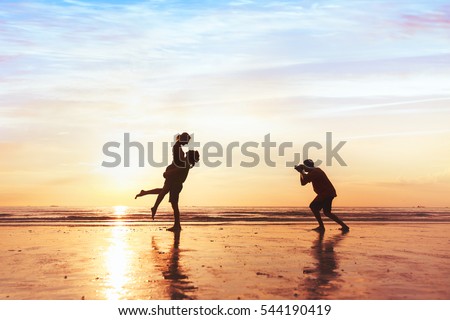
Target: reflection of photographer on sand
(325, 193)
(321, 280)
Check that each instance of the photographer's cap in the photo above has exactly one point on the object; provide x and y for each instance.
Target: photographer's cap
(309, 163)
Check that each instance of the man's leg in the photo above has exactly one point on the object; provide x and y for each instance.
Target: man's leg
(332, 216)
(315, 207)
(176, 218)
(174, 197)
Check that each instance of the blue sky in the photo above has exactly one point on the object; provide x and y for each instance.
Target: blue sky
(76, 74)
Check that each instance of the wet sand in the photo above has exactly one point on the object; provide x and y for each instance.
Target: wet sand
(231, 261)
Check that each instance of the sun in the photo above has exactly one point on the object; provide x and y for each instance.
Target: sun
(120, 210)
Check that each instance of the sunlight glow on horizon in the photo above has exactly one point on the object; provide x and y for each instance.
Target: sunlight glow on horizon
(120, 210)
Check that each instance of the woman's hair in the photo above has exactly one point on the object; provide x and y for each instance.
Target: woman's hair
(184, 137)
(192, 157)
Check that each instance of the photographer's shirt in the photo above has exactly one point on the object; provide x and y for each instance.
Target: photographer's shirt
(321, 184)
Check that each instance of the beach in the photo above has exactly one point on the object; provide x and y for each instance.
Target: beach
(375, 260)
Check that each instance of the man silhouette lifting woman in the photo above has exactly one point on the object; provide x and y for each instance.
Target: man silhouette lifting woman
(175, 175)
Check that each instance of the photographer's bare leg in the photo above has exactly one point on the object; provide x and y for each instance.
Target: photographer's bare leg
(335, 218)
(327, 212)
(315, 208)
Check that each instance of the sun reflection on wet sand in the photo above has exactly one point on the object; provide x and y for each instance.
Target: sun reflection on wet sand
(117, 258)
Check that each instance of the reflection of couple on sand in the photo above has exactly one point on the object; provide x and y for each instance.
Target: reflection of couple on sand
(179, 287)
(175, 174)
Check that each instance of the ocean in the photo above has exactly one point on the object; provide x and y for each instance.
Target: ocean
(61, 215)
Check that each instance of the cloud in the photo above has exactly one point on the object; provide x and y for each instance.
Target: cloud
(81, 32)
(420, 133)
(436, 20)
(442, 177)
(391, 107)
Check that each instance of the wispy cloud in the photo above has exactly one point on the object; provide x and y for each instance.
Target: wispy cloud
(420, 133)
(437, 19)
(387, 106)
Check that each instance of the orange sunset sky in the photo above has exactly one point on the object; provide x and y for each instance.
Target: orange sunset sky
(76, 74)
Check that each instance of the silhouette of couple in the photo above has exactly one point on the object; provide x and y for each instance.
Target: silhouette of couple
(177, 172)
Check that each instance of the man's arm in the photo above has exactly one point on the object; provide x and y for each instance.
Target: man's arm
(304, 178)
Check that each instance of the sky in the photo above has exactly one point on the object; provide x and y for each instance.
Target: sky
(77, 74)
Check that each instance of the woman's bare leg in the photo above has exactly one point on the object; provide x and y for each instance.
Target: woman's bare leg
(146, 192)
(161, 192)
